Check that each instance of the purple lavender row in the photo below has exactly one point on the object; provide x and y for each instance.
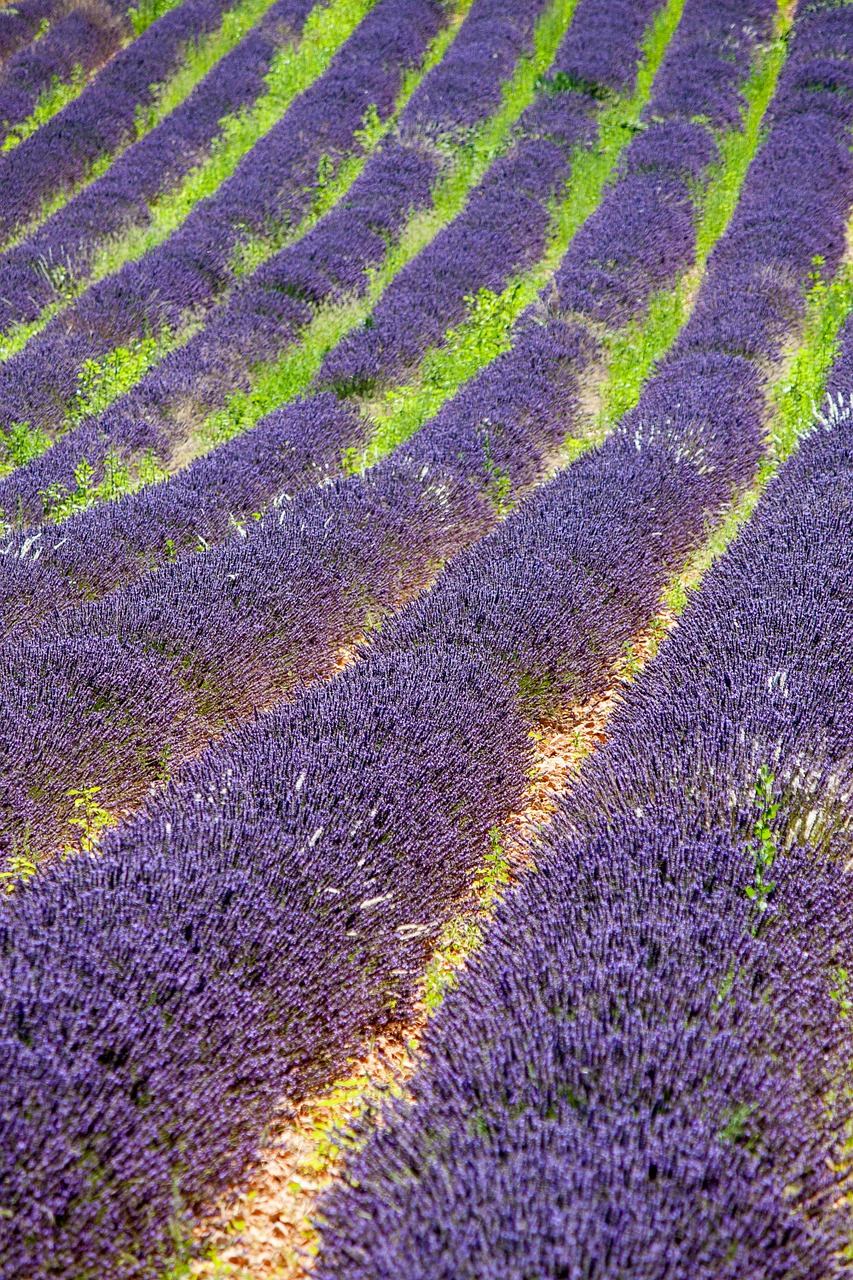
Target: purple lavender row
(271, 189)
(83, 39)
(54, 570)
(148, 168)
(654, 1078)
(165, 665)
(501, 230)
(62, 152)
(283, 896)
(644, 234)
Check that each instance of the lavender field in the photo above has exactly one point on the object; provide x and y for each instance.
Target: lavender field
(426, 639)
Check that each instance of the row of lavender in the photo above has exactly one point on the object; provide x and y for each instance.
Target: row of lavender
(235, 942)
(645, 1071)
(149, 168)
(270, 310)
(270, 192)
(51, 570)
(171, 642)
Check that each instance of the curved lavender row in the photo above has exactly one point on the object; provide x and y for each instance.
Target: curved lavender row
(643, 234)
(62, 152)
(83, 38)
(656, 1043)
(231, 631)
(505, 224)
(147, 169)
(271, 189)
(332, 259)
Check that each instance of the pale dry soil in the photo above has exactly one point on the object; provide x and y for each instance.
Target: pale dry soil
(263, 1229)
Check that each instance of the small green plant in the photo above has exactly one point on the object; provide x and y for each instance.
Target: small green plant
(840, 993)
(144, 12)
(22, 443)
(90, 818)
(50, 101)
(102, 382)
(562, 82)
(631, 665)
(764, 841)
(372, 128)
(21, 867)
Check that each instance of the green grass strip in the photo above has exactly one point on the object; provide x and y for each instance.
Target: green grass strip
(49, 103)
(293, 69)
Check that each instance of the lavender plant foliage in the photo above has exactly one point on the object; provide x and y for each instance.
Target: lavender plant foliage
(660, 1040)
(82, 40)
(234, 941)
(61, 153)
(36, 273)
(643, 234)
(273, 305)
(210, 935)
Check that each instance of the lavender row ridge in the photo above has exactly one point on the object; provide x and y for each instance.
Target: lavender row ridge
(675, 1028)
(289, 886)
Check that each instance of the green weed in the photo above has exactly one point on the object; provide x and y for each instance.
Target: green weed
(764, 841)
(89, 818)
(49, 103)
